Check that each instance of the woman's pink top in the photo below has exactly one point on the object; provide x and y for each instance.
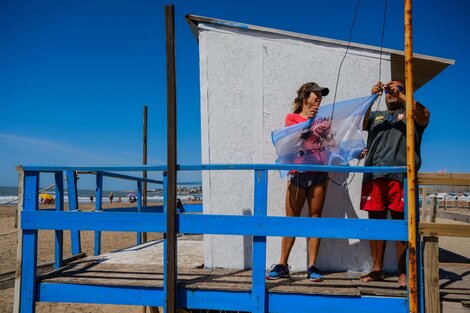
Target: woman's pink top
(294, 118)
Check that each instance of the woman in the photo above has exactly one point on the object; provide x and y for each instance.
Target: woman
(303, 186)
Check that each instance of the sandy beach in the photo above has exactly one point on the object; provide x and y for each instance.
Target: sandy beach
(8, 242)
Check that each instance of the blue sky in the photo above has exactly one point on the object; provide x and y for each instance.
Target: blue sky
(75, 75)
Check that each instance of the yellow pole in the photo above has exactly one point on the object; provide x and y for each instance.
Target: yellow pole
(411, 166)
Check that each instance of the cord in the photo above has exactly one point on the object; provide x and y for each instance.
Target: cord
(350, 180)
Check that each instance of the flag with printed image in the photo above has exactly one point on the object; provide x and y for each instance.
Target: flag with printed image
(322, 140)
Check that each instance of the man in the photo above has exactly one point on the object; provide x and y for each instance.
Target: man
(386, 146)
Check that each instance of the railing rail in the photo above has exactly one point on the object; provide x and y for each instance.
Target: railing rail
(259, 225)
(222, 167)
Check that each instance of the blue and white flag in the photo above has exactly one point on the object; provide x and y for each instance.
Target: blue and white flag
(320, 141)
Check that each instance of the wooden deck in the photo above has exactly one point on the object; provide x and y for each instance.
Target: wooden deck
(141, 266)
(454, 282)
(94, 271)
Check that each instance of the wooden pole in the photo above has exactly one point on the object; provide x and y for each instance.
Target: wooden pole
(19, 247)
(171, 161)
(144, 162)
(424, 204)
(144, 175)
(431, 266)
(411, 166)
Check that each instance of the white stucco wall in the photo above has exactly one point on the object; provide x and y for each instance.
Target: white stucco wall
(248, 82)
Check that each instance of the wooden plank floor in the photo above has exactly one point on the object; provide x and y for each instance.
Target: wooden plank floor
(94, 271)
(454, 282)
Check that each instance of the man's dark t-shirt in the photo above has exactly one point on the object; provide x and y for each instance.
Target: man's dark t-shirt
(387, 143)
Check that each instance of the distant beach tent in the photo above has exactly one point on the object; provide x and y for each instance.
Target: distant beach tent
(46, 196)
(326, 139)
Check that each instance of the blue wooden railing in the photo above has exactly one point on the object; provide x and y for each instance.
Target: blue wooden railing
(259, 226)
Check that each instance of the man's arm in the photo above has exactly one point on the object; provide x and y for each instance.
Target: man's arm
(378, 88)
(420, 113)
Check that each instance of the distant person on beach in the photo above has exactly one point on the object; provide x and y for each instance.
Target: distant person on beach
(111, 197)
(91, 198)
(303, 186)
(386, 146)
(119, 200)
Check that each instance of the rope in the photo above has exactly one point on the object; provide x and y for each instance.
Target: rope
(350, 180)
(344, 57)
(345, 183)
(382, 39)
(381, 51)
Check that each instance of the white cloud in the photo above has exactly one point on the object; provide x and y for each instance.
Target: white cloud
(50, 151)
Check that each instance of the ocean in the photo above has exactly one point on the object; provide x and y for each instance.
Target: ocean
(186, 191)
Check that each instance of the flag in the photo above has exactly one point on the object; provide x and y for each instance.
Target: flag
(322, 140)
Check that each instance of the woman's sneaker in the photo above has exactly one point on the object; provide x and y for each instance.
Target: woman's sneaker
(278, 271)
(314, 274)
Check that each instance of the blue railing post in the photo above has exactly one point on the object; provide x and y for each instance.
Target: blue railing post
(419, 256)
(405, 212)
(165, 211)
(259, 226)
(59, 206)
(259, 242)
(98, 207)
(73, 206)
(30, 245)
(139, 208)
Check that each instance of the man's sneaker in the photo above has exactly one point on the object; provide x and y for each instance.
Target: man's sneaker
(278, 271)
(314, 274)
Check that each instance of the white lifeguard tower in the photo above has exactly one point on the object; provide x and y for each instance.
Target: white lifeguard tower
(249, 75)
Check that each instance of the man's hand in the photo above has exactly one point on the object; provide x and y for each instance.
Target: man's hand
(363, 154)
(378, 88)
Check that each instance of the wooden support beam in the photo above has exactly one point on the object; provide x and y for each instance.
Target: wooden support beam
(411, 164)
(144, 162)
(447, 230)
(431, 273)
(424, 205)
(444, 179)
(19, 248)
(431, 266)
(433, 213)
(171, 252)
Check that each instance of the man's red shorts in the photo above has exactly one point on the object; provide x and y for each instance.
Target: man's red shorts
(382, 193)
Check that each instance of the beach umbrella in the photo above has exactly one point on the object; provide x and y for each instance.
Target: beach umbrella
(45, 196)
(130, 195)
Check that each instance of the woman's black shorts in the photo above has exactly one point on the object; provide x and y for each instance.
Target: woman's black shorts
(306, 180)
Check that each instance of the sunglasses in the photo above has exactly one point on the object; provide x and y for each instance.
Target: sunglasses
(400, 88)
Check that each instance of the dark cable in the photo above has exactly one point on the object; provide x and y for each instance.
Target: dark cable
(344, 57)
(346, 183)
(382, 39)
(337, 83)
